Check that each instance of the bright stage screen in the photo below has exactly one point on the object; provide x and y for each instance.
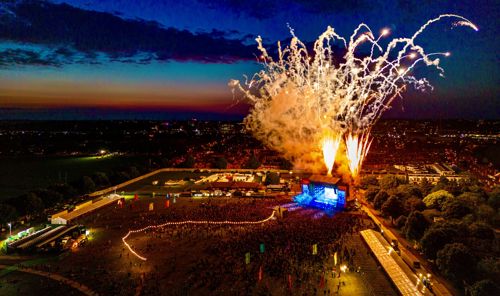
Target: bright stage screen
(330, 194)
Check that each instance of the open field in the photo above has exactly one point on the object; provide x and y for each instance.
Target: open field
(19, 175)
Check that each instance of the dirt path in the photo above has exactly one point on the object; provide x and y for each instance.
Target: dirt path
(56, 277)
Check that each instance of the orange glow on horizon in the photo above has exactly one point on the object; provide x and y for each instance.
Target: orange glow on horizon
(56, 94)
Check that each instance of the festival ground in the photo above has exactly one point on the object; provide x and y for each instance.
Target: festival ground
(213, 259)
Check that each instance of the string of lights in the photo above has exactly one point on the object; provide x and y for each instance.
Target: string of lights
(187, 222)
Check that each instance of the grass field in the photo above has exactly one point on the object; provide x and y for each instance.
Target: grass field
(19, 175)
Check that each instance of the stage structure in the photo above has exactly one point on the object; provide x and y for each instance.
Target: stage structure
(322, 192)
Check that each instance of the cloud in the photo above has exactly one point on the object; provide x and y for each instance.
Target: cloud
(79, 35)
(27, 57)
(264, 9)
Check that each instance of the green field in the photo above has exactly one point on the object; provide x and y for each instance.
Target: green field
(19, 175)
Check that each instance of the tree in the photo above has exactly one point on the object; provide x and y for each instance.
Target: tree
(252, 163)
(409, 191)
(456, 262)
(220, 163)
(401, 221)
(120, 177)
(489, 267)
(440, 234)
(65, 190)
(286, 165)
(189, 162)
(7, 213)
(456, 208)
(482, 230)
(471, 198)
(272, 178)
(101, 179)
(481, 237)
(133, 172)
(371, 192)
(87, 185)
(494, 198)
(414, 204)
(437, 199)
(389, 182)
(425, 186)
(485, 213)
(415, 226)
(380, 198)
(50, 197)
(441, 184)
(34, 204)
(368, 181)
(392, 207)
(484, 288)
(453, 187)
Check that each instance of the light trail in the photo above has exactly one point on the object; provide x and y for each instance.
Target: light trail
(188, 222)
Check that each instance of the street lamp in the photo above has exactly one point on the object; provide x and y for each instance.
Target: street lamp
(10, 229)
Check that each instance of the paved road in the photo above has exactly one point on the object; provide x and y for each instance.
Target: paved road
(56, 277)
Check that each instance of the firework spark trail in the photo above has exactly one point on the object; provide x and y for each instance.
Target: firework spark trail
(301, 97)
(357, 147)
(330, 145)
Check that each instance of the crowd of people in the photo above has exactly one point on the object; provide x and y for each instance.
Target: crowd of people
(293, 255)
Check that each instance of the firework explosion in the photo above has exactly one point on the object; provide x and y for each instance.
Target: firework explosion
(305, 103)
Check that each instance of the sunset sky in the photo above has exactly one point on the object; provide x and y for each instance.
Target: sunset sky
(159, 58)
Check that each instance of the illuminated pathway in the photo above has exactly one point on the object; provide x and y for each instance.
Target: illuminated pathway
(53, 276)
(397, 275)
(188, 222)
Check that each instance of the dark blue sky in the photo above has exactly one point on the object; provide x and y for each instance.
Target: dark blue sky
(157, 56)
